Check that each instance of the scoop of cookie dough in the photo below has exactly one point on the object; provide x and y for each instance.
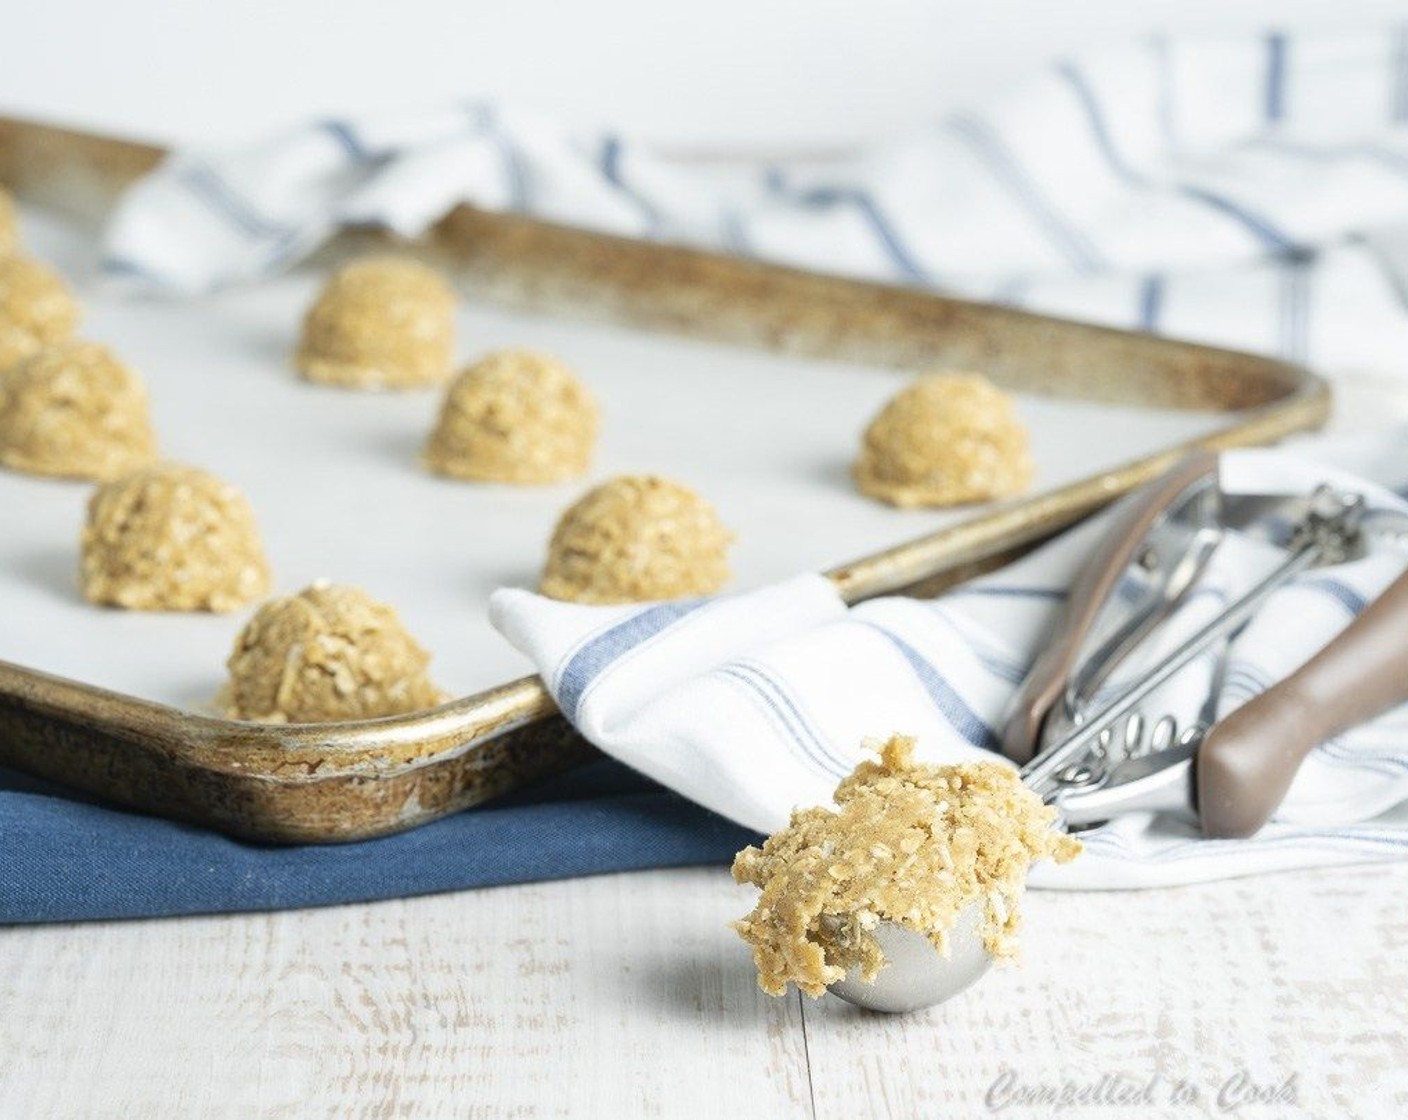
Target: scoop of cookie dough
(947, 439)
(172, 538)
(74, 411)
(9, 225)
(514, 416)
(36, 308)
(907, 843)
(637, 538)
(380, 323)
(327, 653)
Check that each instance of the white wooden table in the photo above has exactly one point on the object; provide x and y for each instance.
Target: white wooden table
(627, 995)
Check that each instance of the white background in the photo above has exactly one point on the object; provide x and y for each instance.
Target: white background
(723, 74)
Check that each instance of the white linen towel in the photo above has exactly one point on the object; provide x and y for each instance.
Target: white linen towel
(1248, 191)
(756, 703)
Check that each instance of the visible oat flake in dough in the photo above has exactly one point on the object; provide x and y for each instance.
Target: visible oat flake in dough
(907, 843)
(172, 538)
(947, 439)
(637, 538)
(380, 323)
(328, 653)
(36, 308)
(514, 416)
(73, 410)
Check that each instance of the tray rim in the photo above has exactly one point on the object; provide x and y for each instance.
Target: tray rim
(163, 744)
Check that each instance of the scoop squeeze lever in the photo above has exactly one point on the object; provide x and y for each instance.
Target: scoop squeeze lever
(1037, 704)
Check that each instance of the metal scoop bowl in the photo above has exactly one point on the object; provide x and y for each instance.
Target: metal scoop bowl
(916, 975)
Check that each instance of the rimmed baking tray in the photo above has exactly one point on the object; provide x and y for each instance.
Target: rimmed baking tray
(332, 782)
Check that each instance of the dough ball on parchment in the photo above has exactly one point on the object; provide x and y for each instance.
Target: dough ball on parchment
(946, 439)
(74, 411)
(514, 416)
(36, 308)
(172, 538)
(328, 653)
(380, 323)
(637, 538)
(9, 225)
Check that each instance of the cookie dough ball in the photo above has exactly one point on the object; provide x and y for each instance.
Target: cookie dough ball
(514, 416)
(327, 653)
(380, 323)
(947, 439)
(36, 309)
(171, 538)
(637, 538)
(9, 225)
(73, 410)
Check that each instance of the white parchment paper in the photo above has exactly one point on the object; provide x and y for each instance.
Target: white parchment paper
(334, 479)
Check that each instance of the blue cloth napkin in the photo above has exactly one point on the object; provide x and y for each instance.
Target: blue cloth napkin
(65, 858)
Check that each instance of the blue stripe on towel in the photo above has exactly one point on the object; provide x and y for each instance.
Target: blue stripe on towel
(785, 713)
(610, 164)
(1398, 77)
(1000, 663)
(484, 119)
(125, 266)
(1341, 592)
(1295, 307)
(346, 138)
(999, 591)
(1151, 301)
(1259, 226)
(588, 663)
(945, 697)
(885, 231)
(1274, 105)
(1007, 171)
(1095, 118)
(1390, 275)
(841, 764)
(1109, 844)
(207, 184)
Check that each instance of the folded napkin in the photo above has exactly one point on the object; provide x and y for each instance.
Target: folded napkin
(757, 703)
(63, 858)
(1250, 191)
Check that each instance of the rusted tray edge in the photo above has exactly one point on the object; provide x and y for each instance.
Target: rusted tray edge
(345, 781)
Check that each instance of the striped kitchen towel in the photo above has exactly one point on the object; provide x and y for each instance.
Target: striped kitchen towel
(1250, 191)
(755, 704)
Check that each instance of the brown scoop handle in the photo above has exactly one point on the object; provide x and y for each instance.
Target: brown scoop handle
(1247, 761)
(1048, 675)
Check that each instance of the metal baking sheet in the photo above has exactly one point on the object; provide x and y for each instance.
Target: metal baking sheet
(334, 479)
(748, 380)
